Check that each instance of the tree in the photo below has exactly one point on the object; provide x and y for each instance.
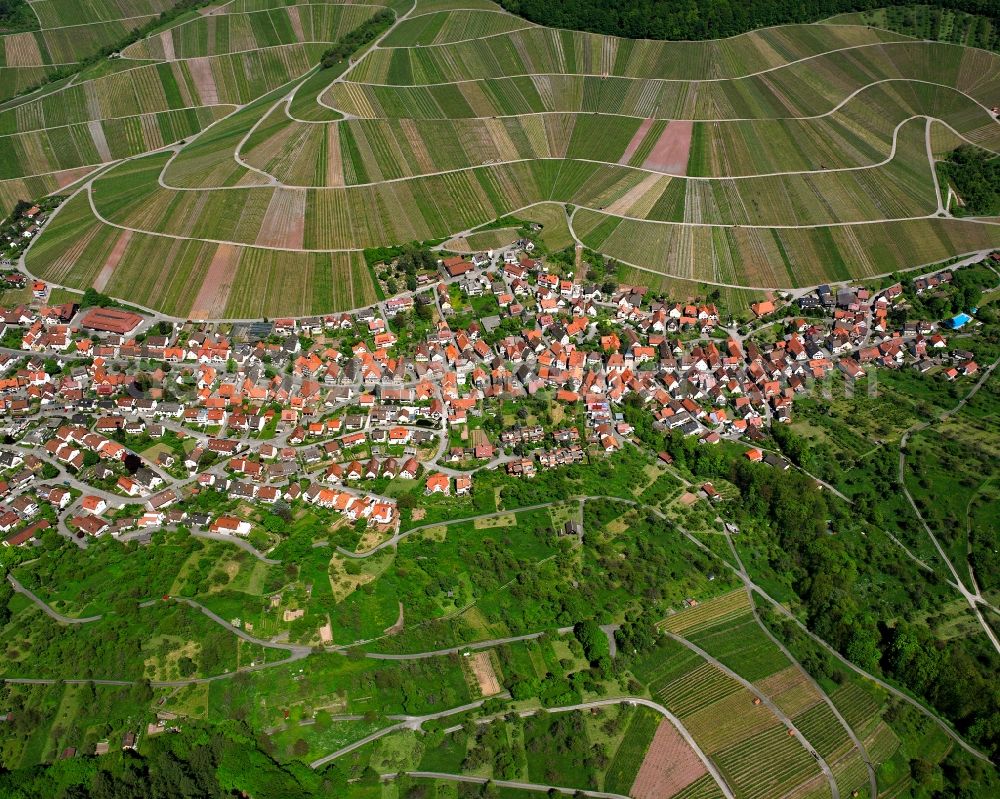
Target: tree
(425, 311)
(592, 638)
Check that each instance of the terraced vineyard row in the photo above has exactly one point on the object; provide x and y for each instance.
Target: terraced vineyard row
(530, 50)
(219, 34)
(464, 114)
(804, 89)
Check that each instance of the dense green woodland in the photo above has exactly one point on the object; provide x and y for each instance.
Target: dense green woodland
(700, 19)
(975, 175)
(199, 763)
(16, 15)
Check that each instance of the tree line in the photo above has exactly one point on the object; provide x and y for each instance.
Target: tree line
(702, 19)
(357, 38)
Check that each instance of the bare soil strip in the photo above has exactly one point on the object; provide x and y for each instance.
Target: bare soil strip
(633, 145)
(284, 222)
(108, 270)
(399, 625)
(670, 153)
(168, 46)
(296, 21)
(217, 283)
(482, 670)
(68, 176)
(625, 204)
(334, 162)
(670, 765)
(100, 142)
(204, 80)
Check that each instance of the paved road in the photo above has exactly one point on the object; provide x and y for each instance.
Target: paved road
(303, 652)
(453, 650)
(391, 542)
(272, 181)
(242, 543)
(784, 611)
(655, 706)
(297, 651)
(941, 209)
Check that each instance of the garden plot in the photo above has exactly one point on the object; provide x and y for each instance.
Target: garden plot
(480, 666)
(713, 611)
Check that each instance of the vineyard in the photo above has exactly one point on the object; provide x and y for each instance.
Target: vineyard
(727, 708)
(784, 157)
(68, 32)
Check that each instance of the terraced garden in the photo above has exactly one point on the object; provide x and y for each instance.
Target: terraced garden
(783, 157)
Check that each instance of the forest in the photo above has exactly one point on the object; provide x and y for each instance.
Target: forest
(701, 19)
(975, 176)
(199, 762)
(16, 15)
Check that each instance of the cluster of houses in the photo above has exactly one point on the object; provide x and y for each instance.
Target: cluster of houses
(337, 399)
(21, 227)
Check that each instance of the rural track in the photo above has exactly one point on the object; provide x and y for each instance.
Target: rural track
(295, 649)
(272, 181)
(47, 609)
(776, 711)
(973, 599)
(692, 79)
(513, 784)
(845, 725)
(405, 723)
(86, 182)
(722, 225)
(896, 692)
(454, 650)
(781, 609)
(415, 722)
(395, 539)
(678, 725)
(785, 612)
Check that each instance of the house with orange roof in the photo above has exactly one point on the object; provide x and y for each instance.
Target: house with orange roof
(438, 484)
